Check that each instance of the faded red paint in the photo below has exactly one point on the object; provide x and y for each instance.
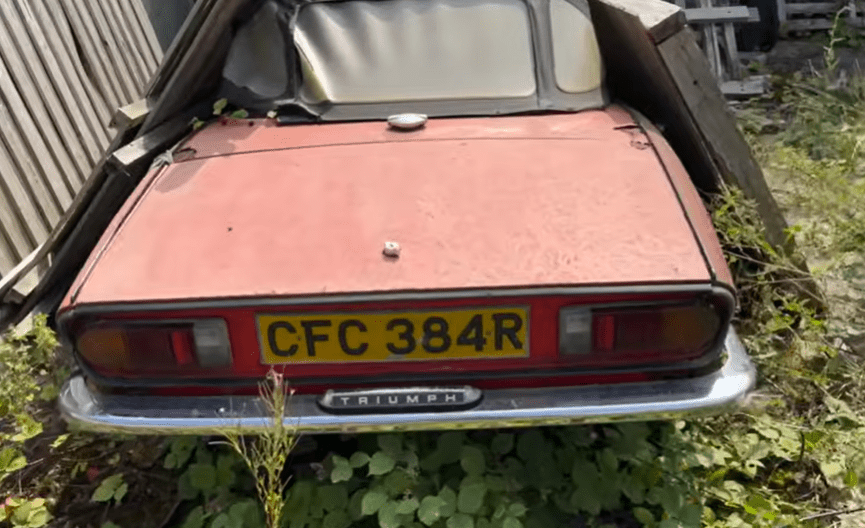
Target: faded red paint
(694, 208)
(564, 199)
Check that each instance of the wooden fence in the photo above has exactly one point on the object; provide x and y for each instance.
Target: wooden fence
(65, 66)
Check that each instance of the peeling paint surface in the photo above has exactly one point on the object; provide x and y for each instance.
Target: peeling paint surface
(474, 203)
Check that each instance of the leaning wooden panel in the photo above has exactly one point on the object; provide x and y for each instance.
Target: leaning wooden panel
(59, 61)
(129, 48)
(56, 26)
(48, 73)
(139, 38)
(118, 61)
(85, 32)
(147, 29)
(43, 107)
(31, 152)
(731, 154)
(33, 225)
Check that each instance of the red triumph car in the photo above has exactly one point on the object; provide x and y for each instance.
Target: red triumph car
(433, 218)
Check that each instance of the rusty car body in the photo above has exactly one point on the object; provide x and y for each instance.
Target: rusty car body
(510, 249)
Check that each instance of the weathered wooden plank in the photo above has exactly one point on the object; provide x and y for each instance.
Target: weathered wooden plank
(74, 130)
(32, 177)
(60, 60)
(148, 30)
(33, 224)
(139, 37)
(658, 19)
(14, 230)
(131, 115)
(128, 76)
(42, 101)
(198, 66)
(7, 258)
(744, 89)
(74, 237)
(813, 8)
(129, 47)
(44, 144)
(700, 92)
(717, 15)
(107, 83)
(637, 74)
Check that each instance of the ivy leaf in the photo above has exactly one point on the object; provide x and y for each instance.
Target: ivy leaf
(121, 492)
(430, 509)
(472, 460)
(517, 510)
(333, 497)
(195, 519)
(471, 497)
(512, 522)
(240, 114)
(359, 460)
(407, 506)
(390, 444)
(450, 498)
(387, 516)
(202, 476)
(11, 460)
(381, 463)
(461, 520)
(851, 479)
(831, 469)
(372, 502)
(336, 519)
(107, 488)
(219, 106)
(341, 469)
(502, 443)
(691, 515)
(644, 516)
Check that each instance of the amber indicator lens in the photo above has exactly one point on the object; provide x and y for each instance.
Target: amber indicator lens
(155, 348)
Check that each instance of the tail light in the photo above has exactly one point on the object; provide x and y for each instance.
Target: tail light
(656, 333)
(143, 348)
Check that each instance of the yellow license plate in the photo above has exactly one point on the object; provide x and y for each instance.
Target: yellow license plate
(422, 335)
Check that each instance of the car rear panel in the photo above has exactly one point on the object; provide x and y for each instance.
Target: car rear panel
(288, 212)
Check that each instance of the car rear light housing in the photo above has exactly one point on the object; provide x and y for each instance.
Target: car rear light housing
(633, 334)
(119, 347)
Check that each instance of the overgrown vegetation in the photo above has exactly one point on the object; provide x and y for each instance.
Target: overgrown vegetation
(794, 457)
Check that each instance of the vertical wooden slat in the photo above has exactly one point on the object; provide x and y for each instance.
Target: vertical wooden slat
(92, 47)
(33, 223)
(61, 60)
(33, 83)
(67, 111)
(54, 17)
(96, 18)
(147, 28)
(137, 39)
(32, 177)
(35, 122)
(130, 49)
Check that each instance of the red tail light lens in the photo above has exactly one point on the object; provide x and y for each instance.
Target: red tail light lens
(158, 348)
(662, 333)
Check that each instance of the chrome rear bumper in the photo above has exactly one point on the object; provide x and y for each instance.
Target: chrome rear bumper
(720, 390)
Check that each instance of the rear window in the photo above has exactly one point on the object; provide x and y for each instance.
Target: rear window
(576, 57)
(404, 50)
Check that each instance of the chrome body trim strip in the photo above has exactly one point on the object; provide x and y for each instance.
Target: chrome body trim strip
(723, 389)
